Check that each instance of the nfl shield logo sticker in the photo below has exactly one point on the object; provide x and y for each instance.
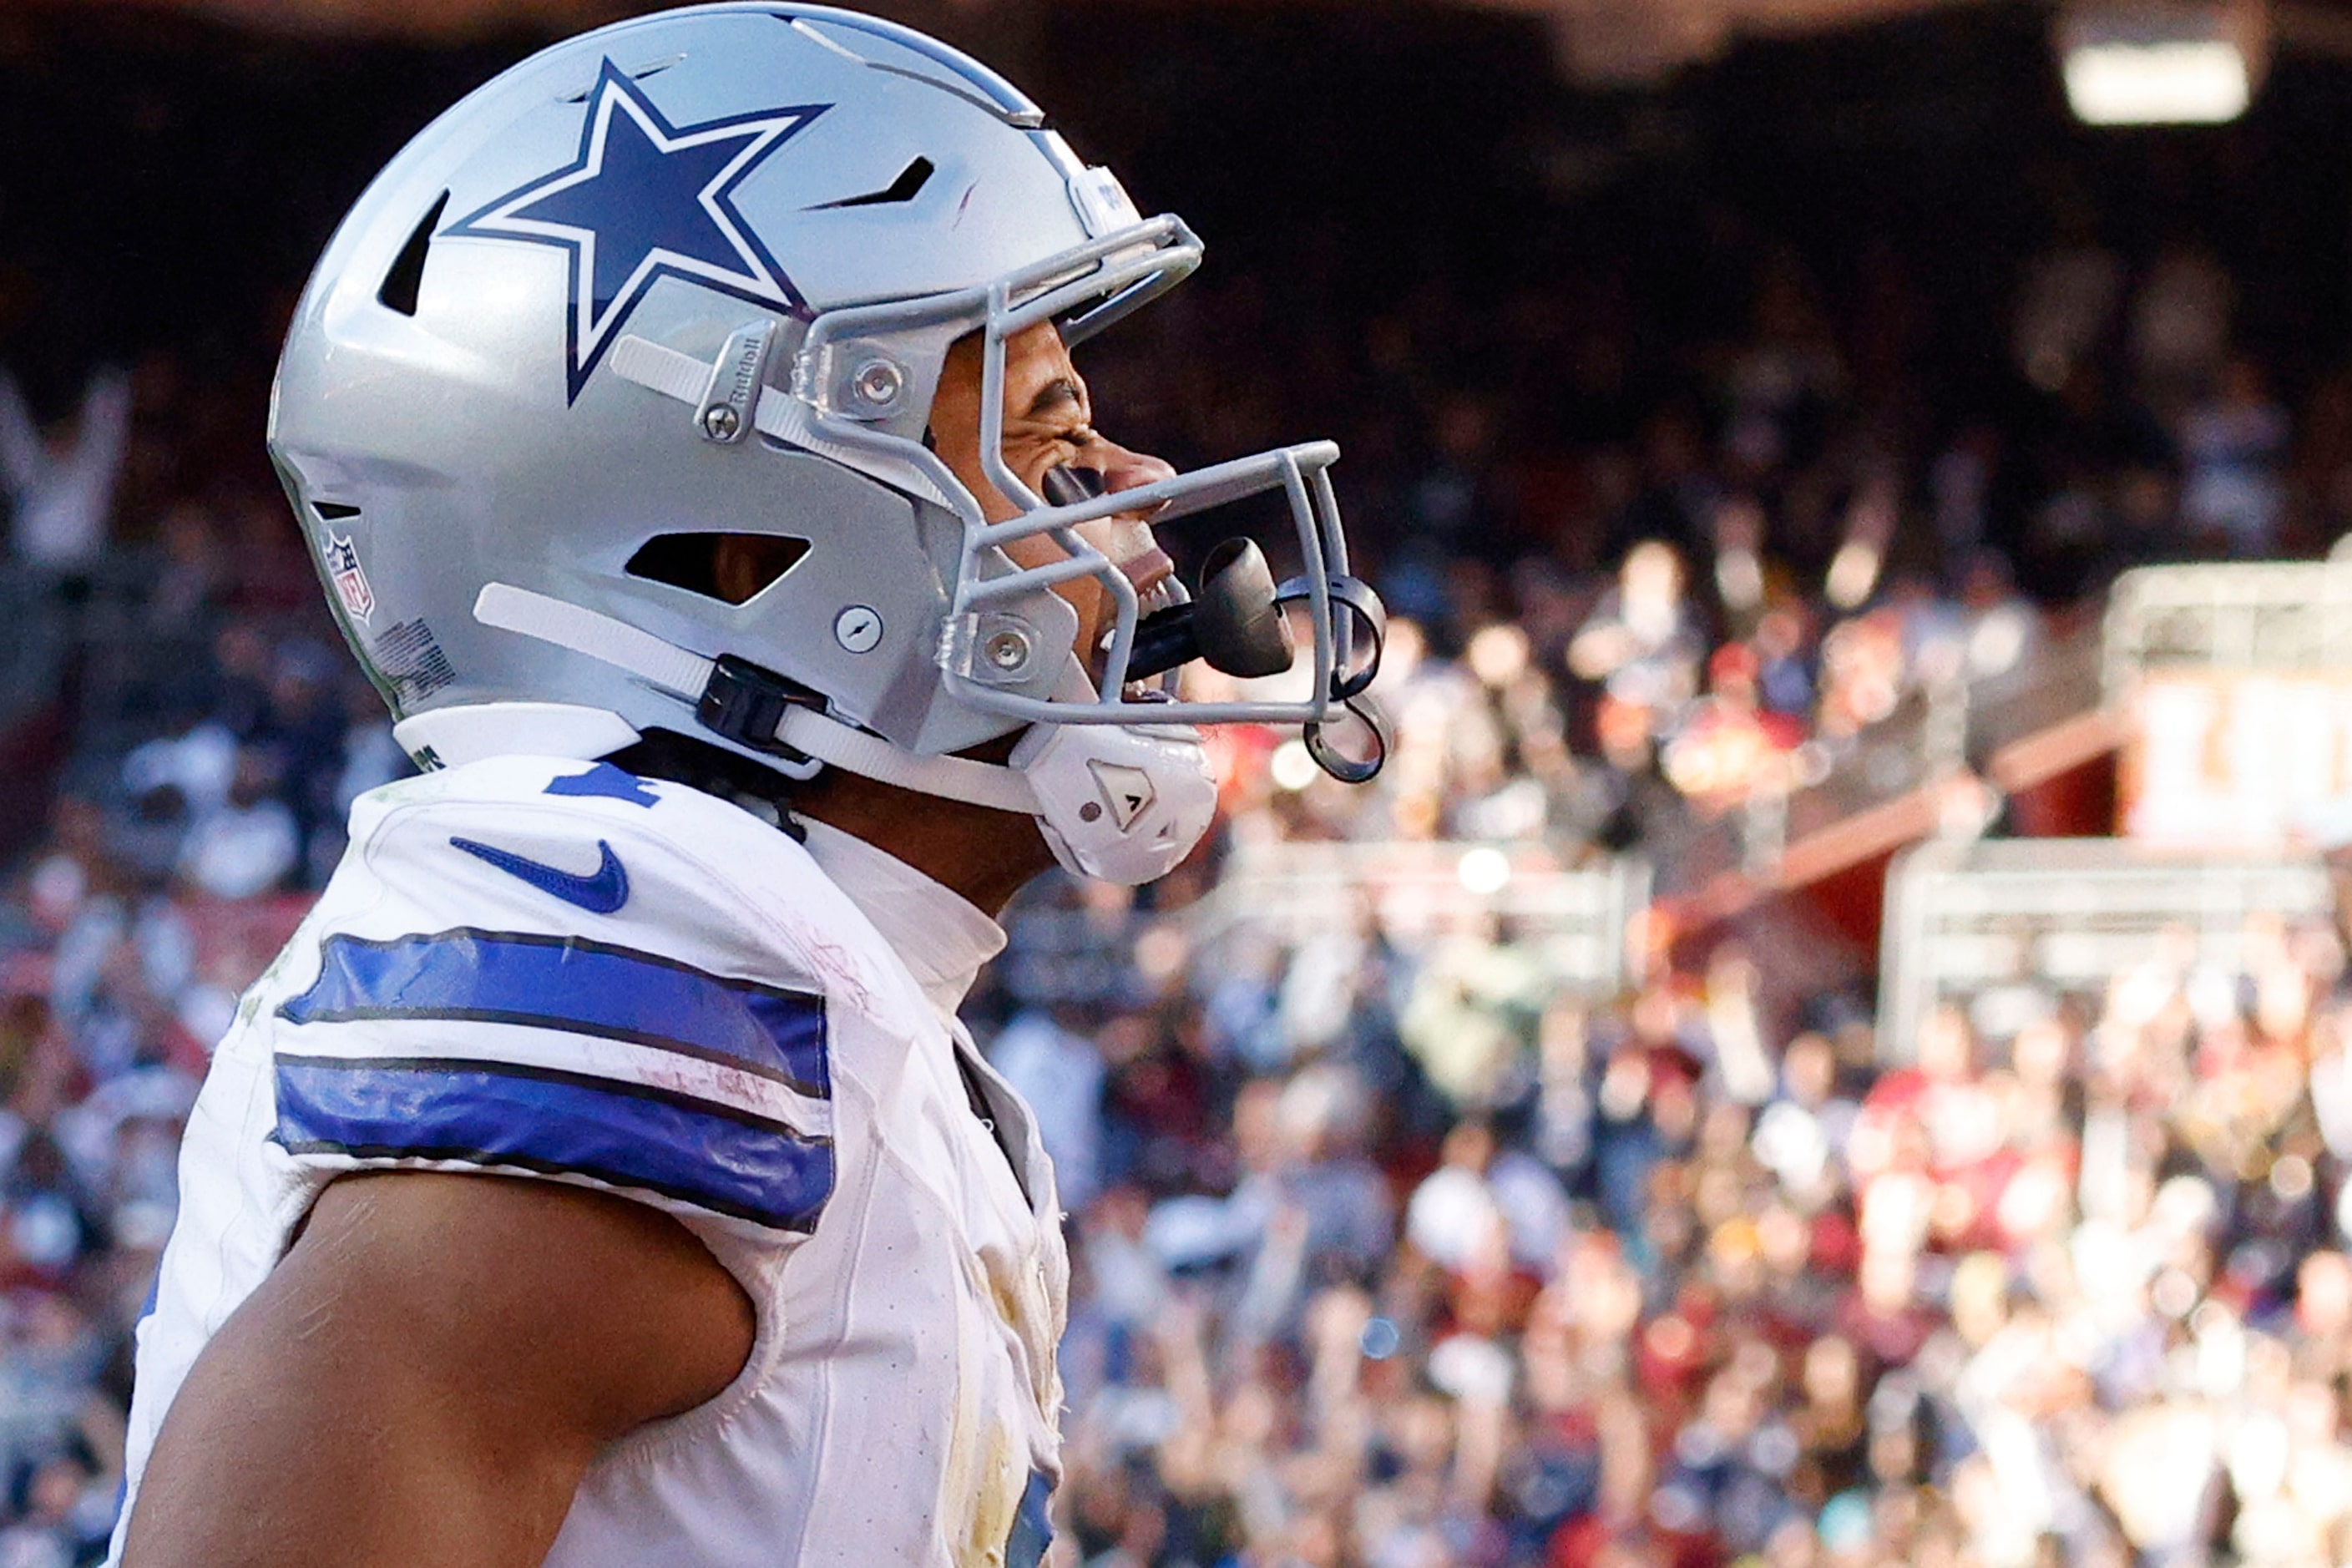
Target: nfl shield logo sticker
(351, 583)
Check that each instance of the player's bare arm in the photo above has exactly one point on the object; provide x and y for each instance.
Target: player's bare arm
(426, 1375)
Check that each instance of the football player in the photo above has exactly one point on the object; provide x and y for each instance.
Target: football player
(686, 430)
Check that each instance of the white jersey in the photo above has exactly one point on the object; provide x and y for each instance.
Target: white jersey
(558, 972)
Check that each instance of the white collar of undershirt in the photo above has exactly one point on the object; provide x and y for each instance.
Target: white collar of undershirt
(941, 937)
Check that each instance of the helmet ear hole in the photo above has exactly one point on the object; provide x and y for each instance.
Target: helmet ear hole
(732, 568)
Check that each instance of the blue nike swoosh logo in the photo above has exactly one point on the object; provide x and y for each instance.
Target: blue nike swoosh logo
(600, 892)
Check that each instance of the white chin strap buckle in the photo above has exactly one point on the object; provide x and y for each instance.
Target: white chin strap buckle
(1120, 804)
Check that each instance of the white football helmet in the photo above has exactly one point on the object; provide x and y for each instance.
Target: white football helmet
(695, 274)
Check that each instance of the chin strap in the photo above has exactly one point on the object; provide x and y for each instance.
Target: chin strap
(690, 676)
(872, 757)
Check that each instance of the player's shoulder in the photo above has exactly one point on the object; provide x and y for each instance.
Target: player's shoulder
(561, 793)
(554, 968)
(593, 852)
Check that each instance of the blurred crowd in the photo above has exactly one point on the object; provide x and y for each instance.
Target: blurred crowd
(1406, 1244)
(1669, 1289)
(1398, 1247)
(1695, 554)
(177, 706)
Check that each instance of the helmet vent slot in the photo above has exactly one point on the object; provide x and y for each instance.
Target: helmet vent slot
(333, 511)
(656, 69)
(732, 568)
(905, 188)
(398, 290)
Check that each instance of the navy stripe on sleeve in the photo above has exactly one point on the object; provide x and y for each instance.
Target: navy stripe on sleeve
(623, 1135)
(576, 985)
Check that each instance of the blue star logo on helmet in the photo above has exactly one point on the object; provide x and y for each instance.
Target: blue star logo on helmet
(642, 201)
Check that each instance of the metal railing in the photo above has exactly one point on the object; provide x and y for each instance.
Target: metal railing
(1576, 917)
(1933, 734)
(2273, 615)
(2067, 914)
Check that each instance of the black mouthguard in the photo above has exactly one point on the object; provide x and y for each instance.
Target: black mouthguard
(1066, 485)
(1235, 622)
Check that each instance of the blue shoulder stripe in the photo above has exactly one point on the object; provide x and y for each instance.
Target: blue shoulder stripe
(576, 985)
(555, 1123)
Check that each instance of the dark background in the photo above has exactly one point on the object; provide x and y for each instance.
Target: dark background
(165, 182)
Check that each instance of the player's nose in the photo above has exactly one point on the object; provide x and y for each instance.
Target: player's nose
(1144, 563)
(1126, 470)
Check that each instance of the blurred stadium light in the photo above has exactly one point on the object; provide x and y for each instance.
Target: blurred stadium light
(2158, 62)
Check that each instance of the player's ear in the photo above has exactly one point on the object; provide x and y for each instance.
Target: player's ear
(730, 567)
(743, 563)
